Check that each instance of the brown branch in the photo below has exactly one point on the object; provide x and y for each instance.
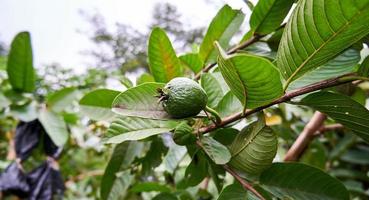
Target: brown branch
(305, 137)
(243, 45)
(286, 97)
(244, 184)
(330, 127)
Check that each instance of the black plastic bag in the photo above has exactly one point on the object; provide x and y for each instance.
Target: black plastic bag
(46, 183)
(27, 137)
(14, 181)
(50, 147)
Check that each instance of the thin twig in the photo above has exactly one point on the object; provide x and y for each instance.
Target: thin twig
(243, 45)
(330, 127)
(286, 97)
(244, 184)
(305, 137)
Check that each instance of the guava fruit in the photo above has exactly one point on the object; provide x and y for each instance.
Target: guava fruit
(183, 97)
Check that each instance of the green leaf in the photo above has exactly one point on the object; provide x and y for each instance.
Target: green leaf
(165, 196)
(140, 101)
(55, 126)
(228, 105)
(126, 82)
(349, 174)
(233, 192)
(343, 64)
(26, 112)
(268, 15)
(215, 150)
(192, 61)
(364, 68)
(163, 61)
(223, 26)
(343, 144)
(315, 155)
(144, 78)
(149, 187)
(356, 156)
(173, 158)
(121, 184)
(311, 40)
(225, 135)
(197, 170)
(61, 99)
(134, 128)
(20, 63)
(300, 181)
(254, 148)
(121, 159)
(343, 110)
(254, 80)
(212, 88)
(153, 156)
(97, 104)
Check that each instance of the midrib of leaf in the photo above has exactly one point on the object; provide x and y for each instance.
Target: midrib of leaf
(250, 140)
(289, 80)
(166, 57)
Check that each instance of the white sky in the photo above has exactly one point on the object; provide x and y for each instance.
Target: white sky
(54, 23)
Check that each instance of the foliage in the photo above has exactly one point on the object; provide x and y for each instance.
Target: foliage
(259, 108)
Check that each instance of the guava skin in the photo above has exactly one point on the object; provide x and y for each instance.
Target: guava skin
(183, 97)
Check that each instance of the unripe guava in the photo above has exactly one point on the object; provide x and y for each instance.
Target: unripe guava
(183, 97)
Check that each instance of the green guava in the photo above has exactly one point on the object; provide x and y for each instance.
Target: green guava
(183, 97)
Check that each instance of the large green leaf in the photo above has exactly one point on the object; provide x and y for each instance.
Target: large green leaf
(134, 128)
(20, 63)
(312, 39)
(98, 103)
(212, 88)
(254, 80)
(192, 61)
(140, 101)
(223, 26)
(254, 148)
(233, 192)
(121, 159)
(343, 110)
(268, 15)
(300, 181)
(216, 151)
(163, 61)
(61, 99)
(55, 126)
(342, 64)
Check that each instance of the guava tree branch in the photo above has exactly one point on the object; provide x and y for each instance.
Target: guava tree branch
(252, 40)
(244, 184)
(286, 97)
(305, 136)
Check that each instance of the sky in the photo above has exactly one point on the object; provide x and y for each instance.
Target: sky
(53, 24)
